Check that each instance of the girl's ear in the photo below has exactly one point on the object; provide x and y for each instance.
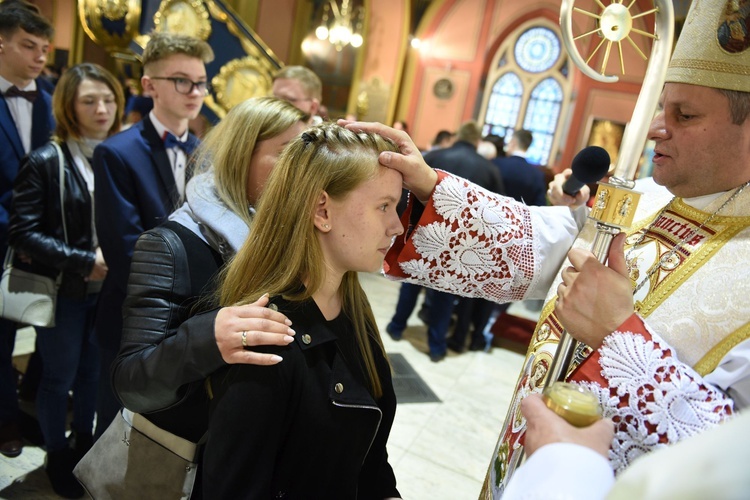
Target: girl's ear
(322, 217)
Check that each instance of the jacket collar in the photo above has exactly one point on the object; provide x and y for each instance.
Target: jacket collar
(313, 332)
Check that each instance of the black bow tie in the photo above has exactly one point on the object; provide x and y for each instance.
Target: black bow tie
(29, 95)
(170, 141)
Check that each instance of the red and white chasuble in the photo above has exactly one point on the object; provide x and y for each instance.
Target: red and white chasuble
(649, 376)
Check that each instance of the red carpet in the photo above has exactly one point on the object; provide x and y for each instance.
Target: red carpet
(514, 329)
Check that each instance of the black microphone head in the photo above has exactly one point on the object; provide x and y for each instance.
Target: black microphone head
(590, 164)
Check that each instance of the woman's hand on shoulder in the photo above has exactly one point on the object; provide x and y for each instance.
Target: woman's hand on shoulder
(238, 328)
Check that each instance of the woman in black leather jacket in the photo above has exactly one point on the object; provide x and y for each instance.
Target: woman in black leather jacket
(168, 348)
(87, 105)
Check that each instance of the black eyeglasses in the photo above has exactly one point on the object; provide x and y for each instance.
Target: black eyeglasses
(185, 85)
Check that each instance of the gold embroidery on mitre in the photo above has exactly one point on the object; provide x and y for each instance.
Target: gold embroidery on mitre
(677, 222)
(711, 359)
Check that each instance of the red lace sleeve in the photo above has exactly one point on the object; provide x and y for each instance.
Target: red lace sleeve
(469, 241)
(653, 398)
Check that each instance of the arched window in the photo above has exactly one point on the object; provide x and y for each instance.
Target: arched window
(542, 115)
(505, 103)
(527, 88)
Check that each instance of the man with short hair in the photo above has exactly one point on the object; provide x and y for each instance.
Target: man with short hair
(666, 320)
(443, 139)
(523, 181)
(26, 123)
(301, 87)
(140, 177)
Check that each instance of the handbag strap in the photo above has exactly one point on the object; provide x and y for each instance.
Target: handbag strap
(61, 166)
(8, 258)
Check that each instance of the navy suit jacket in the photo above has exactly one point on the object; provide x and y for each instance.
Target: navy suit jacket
(11, 150)
(523, 181)
(135, 191)
(462, 160)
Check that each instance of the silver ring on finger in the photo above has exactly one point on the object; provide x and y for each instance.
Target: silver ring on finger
(244, 338)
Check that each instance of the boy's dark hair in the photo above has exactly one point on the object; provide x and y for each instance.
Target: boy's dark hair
(523, 138)
(17, 14)
(442, 136)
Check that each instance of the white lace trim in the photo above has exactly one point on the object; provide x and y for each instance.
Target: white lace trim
(652, 397)
(482, 248)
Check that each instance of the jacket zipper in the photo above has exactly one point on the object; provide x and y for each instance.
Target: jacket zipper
(377, 427)
(365, 407)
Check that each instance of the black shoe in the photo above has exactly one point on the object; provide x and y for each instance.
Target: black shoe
(59, 470)
(479, 346)
(80, 443)
(391, 331)
(455, 346)
(436, 358)
(11, 443)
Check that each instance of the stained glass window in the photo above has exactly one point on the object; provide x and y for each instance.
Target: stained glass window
(541, 119)
(504, 105)
(537, 49)
(531, 75)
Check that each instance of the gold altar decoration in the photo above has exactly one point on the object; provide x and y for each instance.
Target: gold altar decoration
(93, 13)
(187, 17)
(241, 79)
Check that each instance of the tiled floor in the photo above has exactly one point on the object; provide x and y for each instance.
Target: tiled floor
(438, 450)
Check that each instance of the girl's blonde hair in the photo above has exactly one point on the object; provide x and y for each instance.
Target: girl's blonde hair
(283, 251)
(229, 146)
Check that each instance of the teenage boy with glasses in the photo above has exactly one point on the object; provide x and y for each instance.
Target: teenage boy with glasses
(140, 179)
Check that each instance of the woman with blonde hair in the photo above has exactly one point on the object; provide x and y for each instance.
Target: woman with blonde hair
(315, 425)
(58, 238)
(173, 338)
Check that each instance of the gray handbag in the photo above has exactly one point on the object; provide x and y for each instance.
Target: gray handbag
(27, 297)
(134, 460)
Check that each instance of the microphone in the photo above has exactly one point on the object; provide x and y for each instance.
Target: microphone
(589, 165)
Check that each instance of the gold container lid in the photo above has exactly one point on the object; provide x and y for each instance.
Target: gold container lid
(578, 406)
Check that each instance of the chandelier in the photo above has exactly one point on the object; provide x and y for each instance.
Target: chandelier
(341, 26)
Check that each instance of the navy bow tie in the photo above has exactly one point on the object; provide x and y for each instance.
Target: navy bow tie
(29, 95)
(170, 141)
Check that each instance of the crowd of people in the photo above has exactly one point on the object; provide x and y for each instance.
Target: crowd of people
(211, 285)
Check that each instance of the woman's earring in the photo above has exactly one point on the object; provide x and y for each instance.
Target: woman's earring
(326, 226)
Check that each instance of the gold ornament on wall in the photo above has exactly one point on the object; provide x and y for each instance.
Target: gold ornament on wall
(241, 79)
(93, 14)
(113, 10)
(187, 17)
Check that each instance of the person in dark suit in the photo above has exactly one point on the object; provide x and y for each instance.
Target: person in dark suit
(25, 124)
(140, 179)
(523, 181)
(463, 160)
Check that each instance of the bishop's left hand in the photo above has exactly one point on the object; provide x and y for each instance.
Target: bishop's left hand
(594, 299)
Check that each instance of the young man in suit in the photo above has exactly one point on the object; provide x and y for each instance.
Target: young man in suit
(25, 124)
(523, 181)
(140, 179)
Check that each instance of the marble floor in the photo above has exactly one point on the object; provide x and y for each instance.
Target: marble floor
(438, 450)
